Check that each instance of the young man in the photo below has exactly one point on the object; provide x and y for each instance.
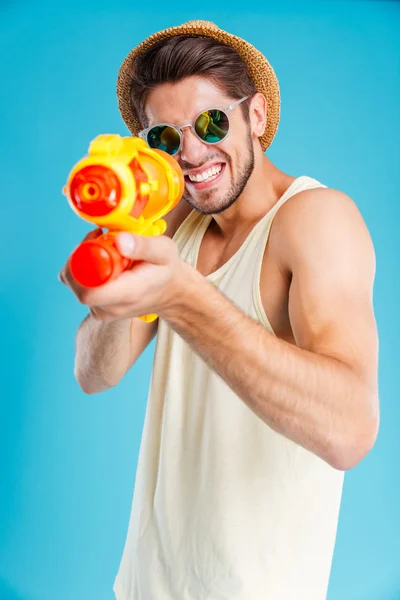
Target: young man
(264, 387)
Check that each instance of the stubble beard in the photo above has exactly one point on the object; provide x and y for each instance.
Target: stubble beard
(209, 202)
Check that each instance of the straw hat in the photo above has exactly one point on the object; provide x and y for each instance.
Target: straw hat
(259, 68)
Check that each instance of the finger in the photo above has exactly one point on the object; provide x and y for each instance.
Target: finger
(95, 233)
(116, 292)
(157, 250)
(65, 276)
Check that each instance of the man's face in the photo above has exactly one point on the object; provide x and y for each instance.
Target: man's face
(234, 156)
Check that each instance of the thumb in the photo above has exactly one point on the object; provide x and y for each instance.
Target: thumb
(126, 244)
(155, 249)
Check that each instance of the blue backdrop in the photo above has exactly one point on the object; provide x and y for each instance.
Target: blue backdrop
(68, 460)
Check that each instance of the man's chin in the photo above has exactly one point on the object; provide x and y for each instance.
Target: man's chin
(209, 208)
(204, 206)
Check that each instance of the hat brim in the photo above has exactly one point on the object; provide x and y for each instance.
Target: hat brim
(259, 68)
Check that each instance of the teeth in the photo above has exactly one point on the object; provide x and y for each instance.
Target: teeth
(206, 175)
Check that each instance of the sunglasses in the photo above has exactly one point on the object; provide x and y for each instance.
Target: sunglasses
(211, 127)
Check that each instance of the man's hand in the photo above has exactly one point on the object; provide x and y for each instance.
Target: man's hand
(152, 285)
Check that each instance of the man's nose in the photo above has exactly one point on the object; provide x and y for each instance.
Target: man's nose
(193, 150)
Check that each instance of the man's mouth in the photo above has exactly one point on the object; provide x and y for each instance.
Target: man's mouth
(206, 178)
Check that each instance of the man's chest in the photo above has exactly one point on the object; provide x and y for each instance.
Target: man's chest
(274, 283)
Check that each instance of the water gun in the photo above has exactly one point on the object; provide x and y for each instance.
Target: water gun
(122, 185)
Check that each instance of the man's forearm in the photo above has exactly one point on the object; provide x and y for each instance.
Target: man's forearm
(316, 401)
(102, 353)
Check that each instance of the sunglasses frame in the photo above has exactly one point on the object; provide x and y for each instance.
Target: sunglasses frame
(144, 132)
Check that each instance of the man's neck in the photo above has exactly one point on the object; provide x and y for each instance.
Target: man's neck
(265, 186)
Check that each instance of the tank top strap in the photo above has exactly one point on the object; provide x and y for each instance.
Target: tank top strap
(299, 185)
(188, 225)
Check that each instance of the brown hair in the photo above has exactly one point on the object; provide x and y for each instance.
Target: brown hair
(183, 56)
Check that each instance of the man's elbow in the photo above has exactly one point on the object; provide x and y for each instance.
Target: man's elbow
(360, 443)
(91, 385)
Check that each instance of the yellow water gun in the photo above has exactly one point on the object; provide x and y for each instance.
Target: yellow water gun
(122, 185)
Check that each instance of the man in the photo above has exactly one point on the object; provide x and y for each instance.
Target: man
(264, 387)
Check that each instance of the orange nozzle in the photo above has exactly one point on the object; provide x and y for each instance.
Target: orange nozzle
(95, 190)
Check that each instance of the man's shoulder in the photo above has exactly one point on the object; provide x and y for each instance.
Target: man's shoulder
(311, 215)
(315, 207)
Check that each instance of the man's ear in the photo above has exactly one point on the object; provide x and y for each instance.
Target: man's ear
(258, 114)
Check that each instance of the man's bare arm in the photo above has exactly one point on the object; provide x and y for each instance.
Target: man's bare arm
(106, 350)
(322, 394)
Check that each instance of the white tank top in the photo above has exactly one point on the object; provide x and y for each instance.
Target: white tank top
(224, 507)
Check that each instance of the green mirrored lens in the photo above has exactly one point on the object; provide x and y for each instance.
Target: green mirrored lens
(164, 138)
(212, 126)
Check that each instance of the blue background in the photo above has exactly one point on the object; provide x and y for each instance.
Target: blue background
(68, 460)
